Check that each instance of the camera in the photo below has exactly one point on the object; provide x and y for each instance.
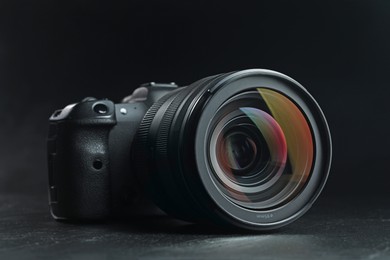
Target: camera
(248, 149)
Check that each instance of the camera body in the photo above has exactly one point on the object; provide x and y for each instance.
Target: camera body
(89, 153)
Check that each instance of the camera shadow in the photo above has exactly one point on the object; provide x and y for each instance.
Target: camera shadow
(168, 225)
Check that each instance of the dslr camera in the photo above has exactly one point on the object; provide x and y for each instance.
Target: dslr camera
(249, 149)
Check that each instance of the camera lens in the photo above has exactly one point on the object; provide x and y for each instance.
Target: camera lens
(248, 149)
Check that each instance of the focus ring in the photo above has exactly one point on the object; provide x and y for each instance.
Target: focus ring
(169, 174)
(141, 143)
(162, 140)
(166, 122)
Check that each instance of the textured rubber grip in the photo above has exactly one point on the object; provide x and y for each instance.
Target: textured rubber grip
(79, 170)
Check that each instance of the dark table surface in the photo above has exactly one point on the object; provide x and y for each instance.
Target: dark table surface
(336, 228)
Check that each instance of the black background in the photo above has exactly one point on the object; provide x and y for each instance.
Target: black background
(53, 54)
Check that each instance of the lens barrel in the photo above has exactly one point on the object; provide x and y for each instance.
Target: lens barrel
(248, 149)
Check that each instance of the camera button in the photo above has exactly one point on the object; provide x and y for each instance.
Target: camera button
(123, 111)
(100, 108)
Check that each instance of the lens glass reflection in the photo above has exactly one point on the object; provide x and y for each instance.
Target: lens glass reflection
(260, 149)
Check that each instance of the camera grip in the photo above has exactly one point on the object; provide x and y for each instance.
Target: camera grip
(79, 183)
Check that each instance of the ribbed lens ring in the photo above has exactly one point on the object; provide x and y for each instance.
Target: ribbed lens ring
(166, 182)
(141, 144)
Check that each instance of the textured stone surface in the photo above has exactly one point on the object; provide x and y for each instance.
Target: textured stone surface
(333, 229)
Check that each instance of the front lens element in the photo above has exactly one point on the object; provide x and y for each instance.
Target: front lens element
(261, 149)
(238, 151)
